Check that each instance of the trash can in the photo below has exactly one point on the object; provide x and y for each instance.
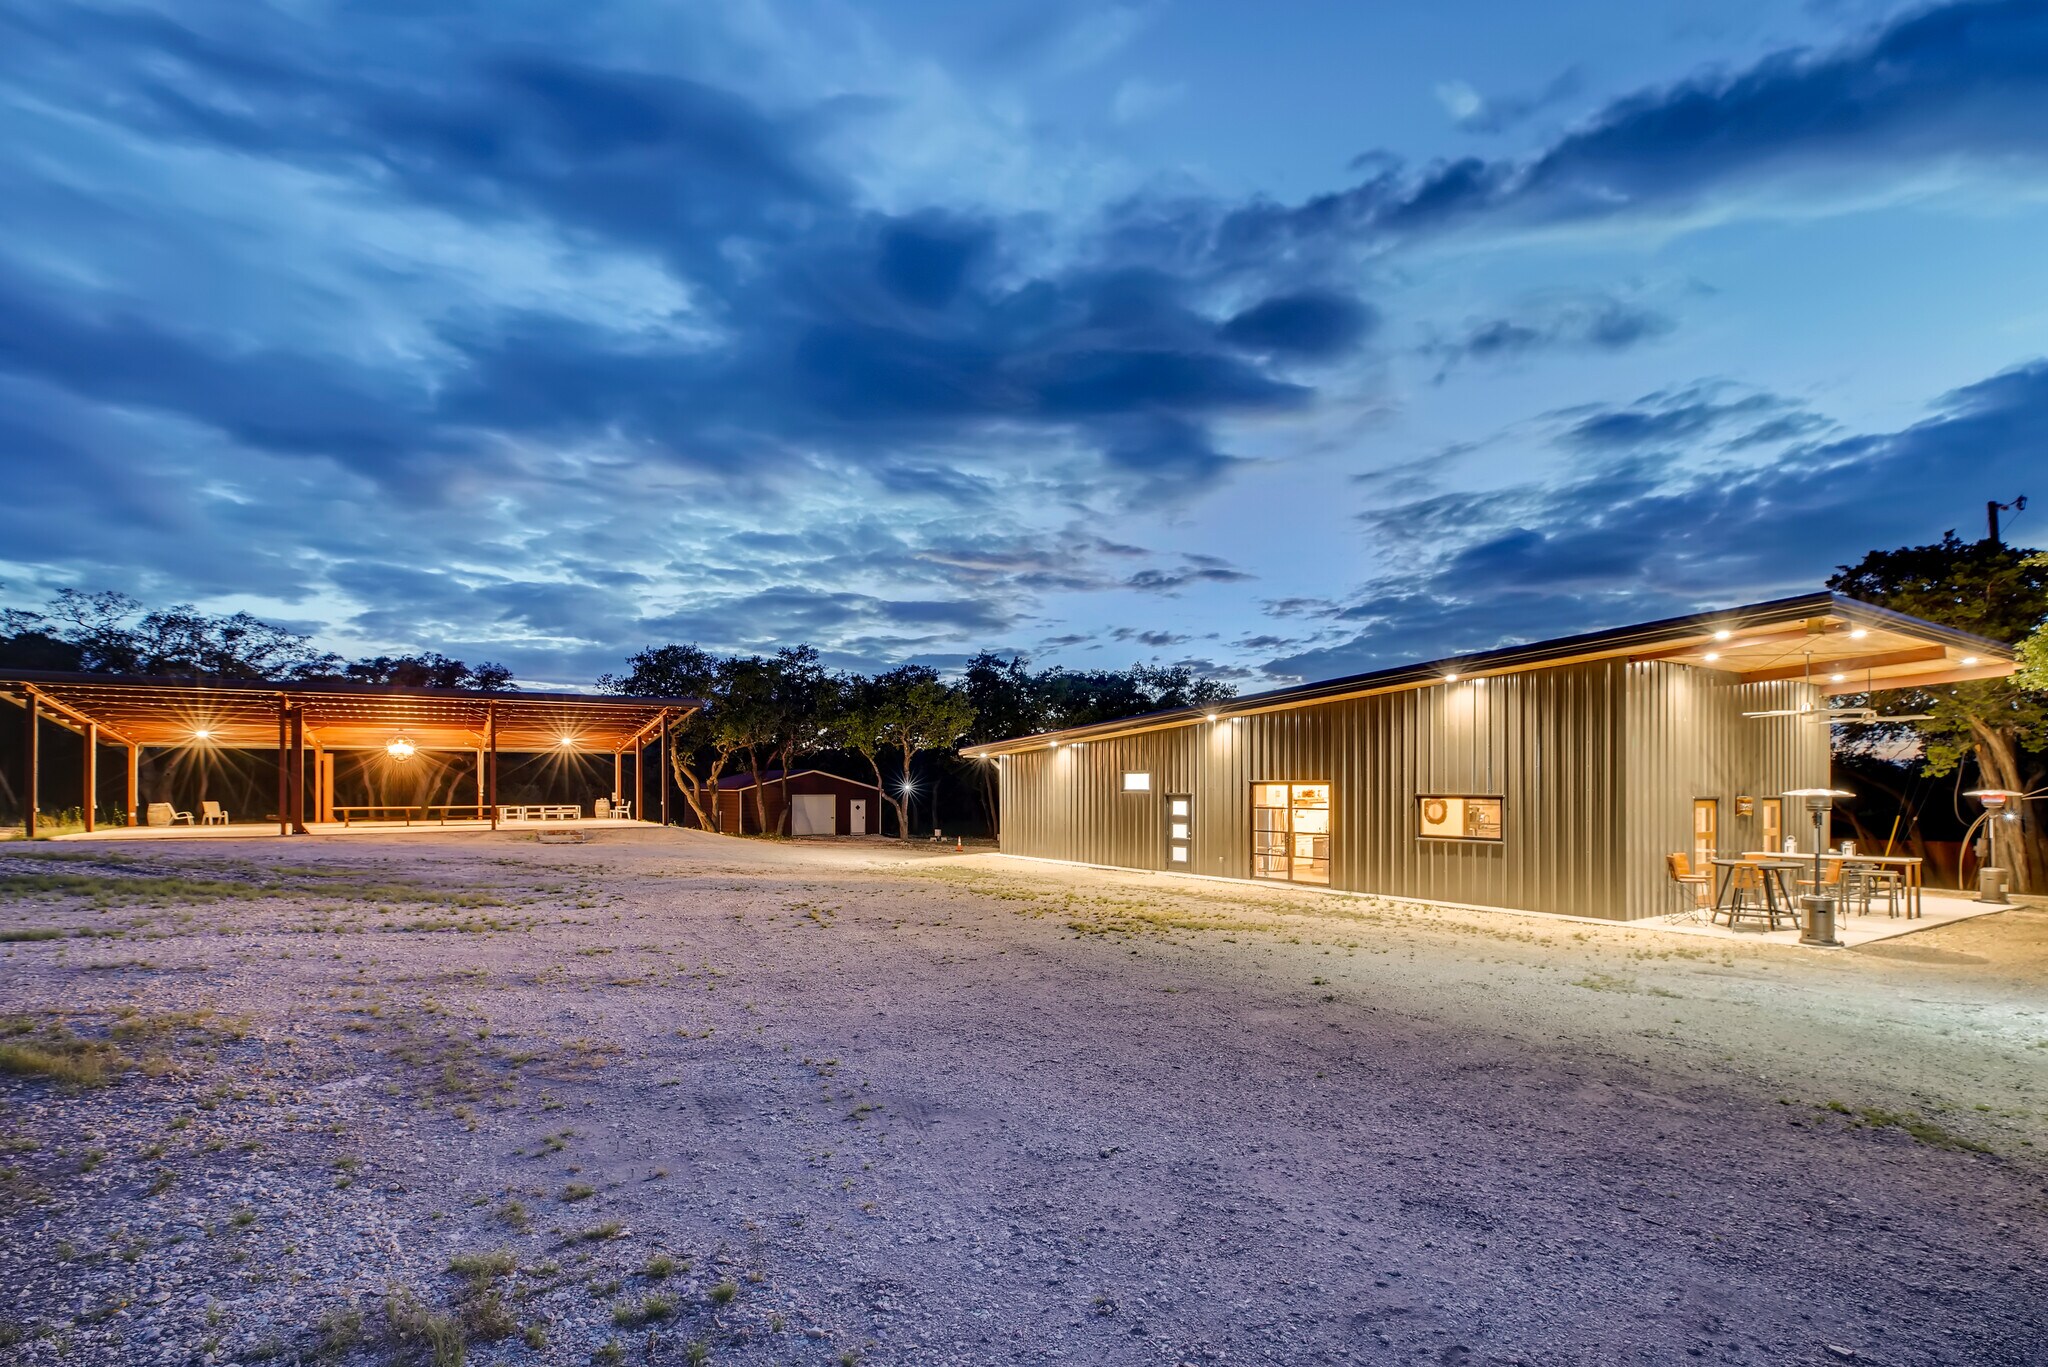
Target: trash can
(1819, 928)
(1991, 886)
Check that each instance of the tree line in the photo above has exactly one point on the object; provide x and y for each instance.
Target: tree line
(765, 714)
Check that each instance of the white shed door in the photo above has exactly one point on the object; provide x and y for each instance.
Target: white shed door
(810, 814)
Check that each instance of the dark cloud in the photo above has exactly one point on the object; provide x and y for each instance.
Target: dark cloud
(1311, 324)
(1952, 85)
(1156, 639)
(1631, 537)
(1579, 322)
(1195, 569)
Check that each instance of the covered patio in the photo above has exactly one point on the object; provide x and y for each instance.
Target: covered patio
(308, 726)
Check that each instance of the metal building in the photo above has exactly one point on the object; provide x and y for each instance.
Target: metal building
(1550, 777)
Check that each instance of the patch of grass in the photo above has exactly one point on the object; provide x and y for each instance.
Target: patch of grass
(486, 1318)
(723, 1293)
(64, 1059)
(534, 1336)
(30, 933)
(610, 1351)
(578, 1191)
(514, 1214)
(421, 1334)
(481, 1269)
(698, 1353)
(648, 1310)
(339, 1330)
(661, 1265)
(1923, 1130)
(610, 1229)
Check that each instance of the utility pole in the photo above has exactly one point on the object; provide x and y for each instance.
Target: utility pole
(1992, 507)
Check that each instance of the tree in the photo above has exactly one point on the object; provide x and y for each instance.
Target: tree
(428, 670)
(1007, 703)
(803, 702)
(908, 710)
(678, 671)
(1992, 590)
(101, 633)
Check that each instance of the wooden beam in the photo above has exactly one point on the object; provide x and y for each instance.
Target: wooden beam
(1856, 664)
(618, 761)
(661, 762)
(284, 736)
(90, 793)
(72, 716)
(1959, 674)
(298, 774)
(491, 732)
(32, 752)
(134, 785)
(639, 781)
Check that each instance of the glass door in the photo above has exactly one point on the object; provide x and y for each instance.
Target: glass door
(1706, 830)
(1291, 831)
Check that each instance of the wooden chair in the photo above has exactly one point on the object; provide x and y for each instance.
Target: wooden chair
(210, 814)
(164, 814)
(1702, 882)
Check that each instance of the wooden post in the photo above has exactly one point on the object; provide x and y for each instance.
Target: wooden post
(618, 773)
(30, 736)
(298, 784)
(661, 772)
(491, 734)
(134, 786)
(91, 786)
(284, 736)
(639, 781)
(479, 782)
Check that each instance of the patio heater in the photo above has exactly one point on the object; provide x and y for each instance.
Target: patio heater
(1818, 926)
(1991, 879)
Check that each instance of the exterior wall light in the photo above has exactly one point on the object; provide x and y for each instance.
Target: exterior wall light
(202, 734)
(1212, 716)
(1968, 660)
(1450, 678)
(1723, 634)
(400, 748)
(1711, 656)
(1859, 633)
(566, 740)
(1836, 678)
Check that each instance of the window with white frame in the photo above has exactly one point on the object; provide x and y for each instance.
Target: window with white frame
(1137, 783)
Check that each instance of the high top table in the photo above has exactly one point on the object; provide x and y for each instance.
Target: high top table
(1776, 872)
(1911, 866)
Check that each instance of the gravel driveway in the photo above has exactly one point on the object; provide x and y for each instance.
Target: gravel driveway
(671, 1097)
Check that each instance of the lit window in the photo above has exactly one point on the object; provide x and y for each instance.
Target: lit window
(1180, 831)
(1459, 818)
(1137, 783)
(1180, 854)
(1180, 806)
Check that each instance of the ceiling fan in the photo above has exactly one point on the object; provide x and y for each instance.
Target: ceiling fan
(1852, 716)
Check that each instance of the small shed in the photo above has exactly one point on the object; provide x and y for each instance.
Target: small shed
(820, 804)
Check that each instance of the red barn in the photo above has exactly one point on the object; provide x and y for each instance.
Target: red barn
(820, 804)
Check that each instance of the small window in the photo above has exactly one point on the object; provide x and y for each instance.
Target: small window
(1180, 806)
(1445, 817)
(1180, 854)
(1179, 832)
(1137, 783)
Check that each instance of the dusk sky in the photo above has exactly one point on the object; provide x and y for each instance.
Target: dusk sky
(1291, 339)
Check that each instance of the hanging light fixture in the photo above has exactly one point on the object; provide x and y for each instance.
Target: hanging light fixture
(400, 748)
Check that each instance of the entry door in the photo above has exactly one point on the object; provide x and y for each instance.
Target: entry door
(857, 824)
(1706, 830)
(1291, 831)
(1774, 824)
(1180, 829)
(812, 814)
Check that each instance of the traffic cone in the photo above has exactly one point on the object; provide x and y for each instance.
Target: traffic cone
(958, 848)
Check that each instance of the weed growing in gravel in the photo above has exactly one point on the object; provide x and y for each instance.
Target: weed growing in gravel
(610, 1351)
(723, 1293)
(514, 1215)
(340, 1330)
(578, 1191)
(481, 1269)
(420, 1333)
(649, 1310)
(661, 1266)
(597, 1234)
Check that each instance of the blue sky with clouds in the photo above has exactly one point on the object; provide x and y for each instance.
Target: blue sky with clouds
(1292, 339)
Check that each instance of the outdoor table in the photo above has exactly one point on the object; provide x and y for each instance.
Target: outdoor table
(1910, 866)
(1776, 874)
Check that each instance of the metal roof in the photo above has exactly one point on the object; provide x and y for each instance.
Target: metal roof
(1844, 646)
(338, 716)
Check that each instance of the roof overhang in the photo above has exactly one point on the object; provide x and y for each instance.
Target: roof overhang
(337, 716)
(1841, 645)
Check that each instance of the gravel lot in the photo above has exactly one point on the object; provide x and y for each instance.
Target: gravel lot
(671, 1097)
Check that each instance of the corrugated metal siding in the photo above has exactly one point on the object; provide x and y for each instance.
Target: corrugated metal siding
(1545, 740)
(1688, 739)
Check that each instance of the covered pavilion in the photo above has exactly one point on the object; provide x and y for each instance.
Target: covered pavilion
(307, 724)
